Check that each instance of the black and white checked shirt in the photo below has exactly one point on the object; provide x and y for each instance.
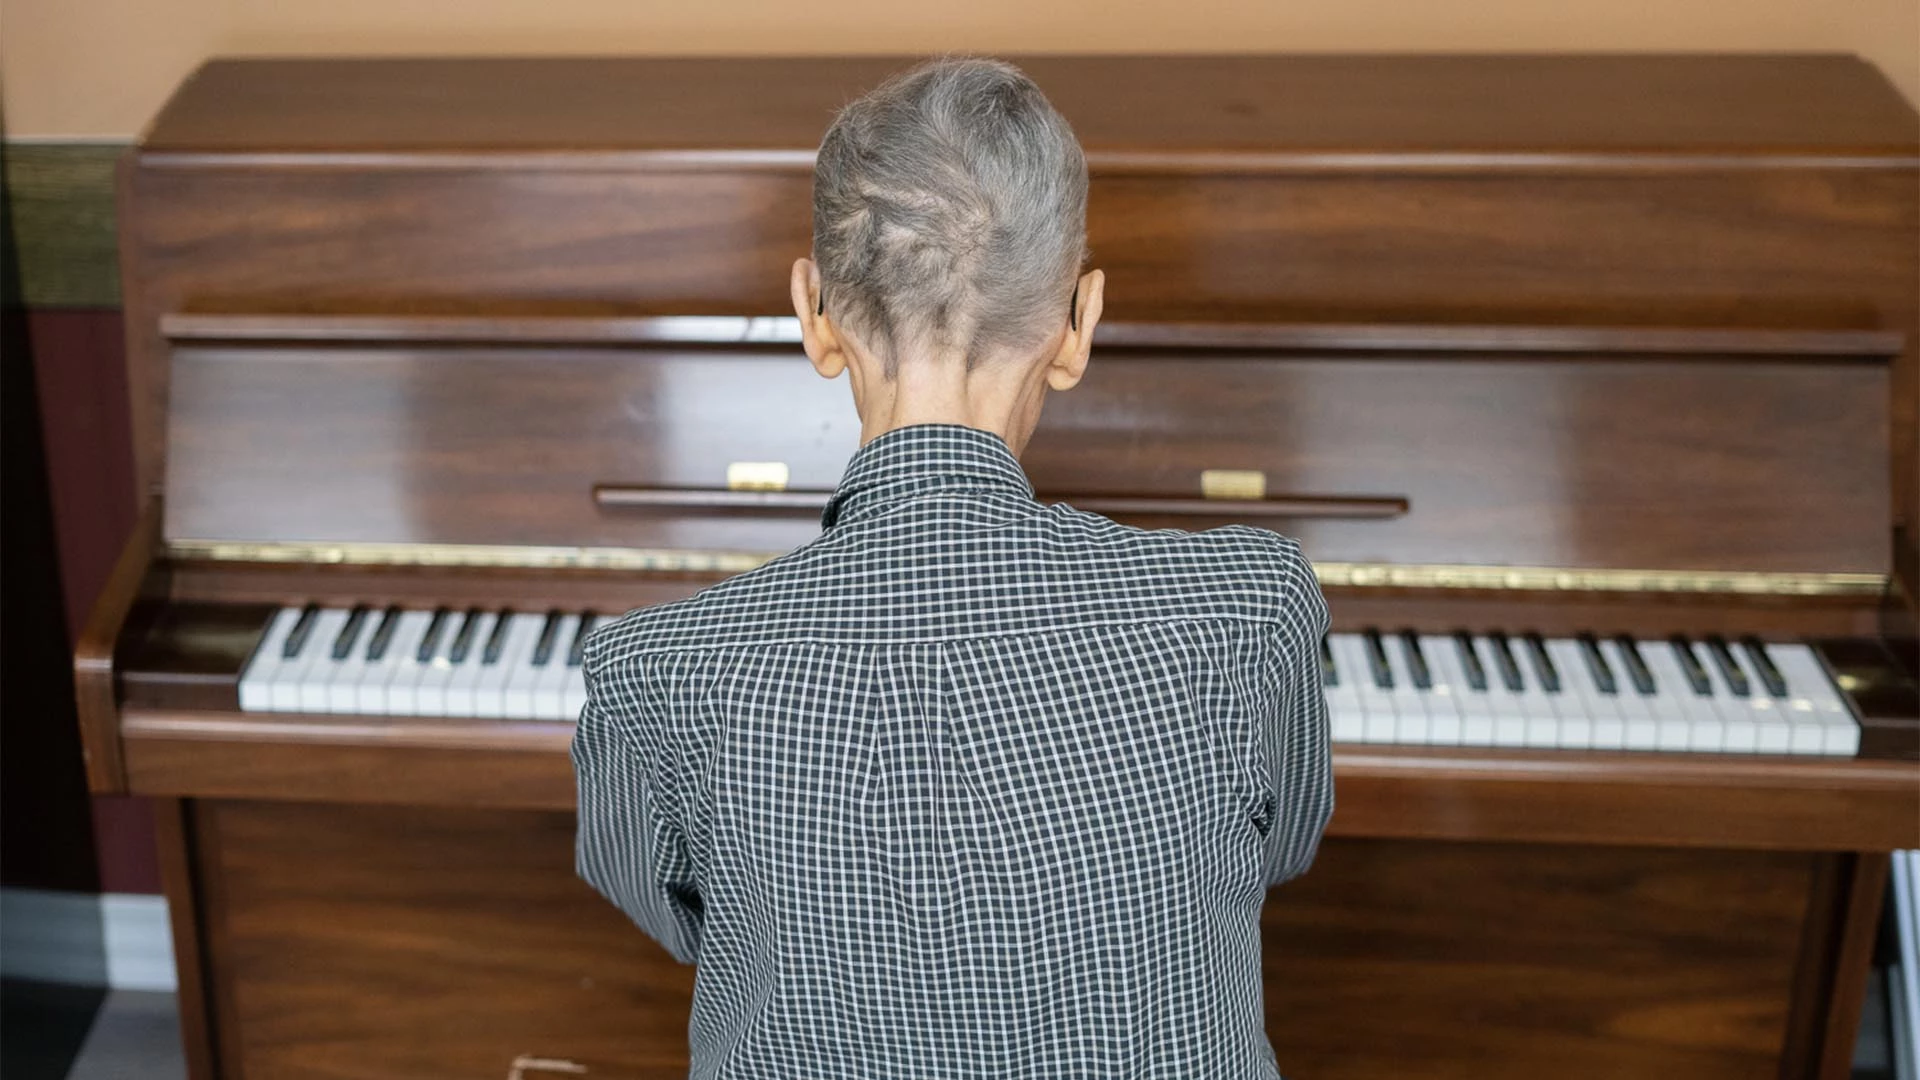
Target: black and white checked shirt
(968, 787)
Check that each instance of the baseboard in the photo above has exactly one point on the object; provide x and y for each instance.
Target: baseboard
(121, 941)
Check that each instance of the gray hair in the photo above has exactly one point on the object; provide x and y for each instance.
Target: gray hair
(949, 212)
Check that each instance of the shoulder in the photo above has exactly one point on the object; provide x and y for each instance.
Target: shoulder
(1254, 572)
(618, 647)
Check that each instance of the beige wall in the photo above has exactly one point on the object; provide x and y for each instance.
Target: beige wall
(99, 68)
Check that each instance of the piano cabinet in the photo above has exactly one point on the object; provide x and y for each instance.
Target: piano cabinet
(1619, 345)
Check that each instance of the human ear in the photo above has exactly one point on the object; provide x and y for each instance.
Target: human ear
(817, 337)
(1069, 363)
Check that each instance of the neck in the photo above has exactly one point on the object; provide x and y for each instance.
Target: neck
(991, 398)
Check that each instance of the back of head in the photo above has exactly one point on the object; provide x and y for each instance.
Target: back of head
(949, 213)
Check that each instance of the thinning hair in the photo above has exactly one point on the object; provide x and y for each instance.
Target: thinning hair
(949, 213)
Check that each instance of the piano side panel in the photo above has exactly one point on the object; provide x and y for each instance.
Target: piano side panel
(1625, 463)
(397, 942)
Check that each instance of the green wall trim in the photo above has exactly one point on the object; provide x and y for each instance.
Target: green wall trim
(61, 198)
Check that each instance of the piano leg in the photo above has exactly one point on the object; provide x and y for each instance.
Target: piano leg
(1836, 959)
(173, 829)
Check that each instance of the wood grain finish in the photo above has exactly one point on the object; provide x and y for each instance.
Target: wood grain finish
(448, 942)
(95, 694)
(409, 942)
(1622, 461)
(1773, 106)
(1439, 960)
(193, 983)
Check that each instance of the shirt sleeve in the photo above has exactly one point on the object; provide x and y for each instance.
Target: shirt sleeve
(631, 846)
(1295, 739)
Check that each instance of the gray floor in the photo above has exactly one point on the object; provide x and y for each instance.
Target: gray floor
(135, 1036)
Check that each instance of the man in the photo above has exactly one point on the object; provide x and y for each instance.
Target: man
(970, 786)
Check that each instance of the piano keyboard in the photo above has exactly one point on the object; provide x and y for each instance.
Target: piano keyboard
(1707, 695)
(1683, 695)
(399, 662)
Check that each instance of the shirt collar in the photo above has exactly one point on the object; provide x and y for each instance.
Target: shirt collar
(911, 461)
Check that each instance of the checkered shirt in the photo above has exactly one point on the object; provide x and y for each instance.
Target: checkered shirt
(970, 786)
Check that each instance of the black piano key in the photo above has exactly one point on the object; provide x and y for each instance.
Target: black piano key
(578, 651)
(1597, 665)
(1729, 667)
(543, 648)
(1543, 665)
(430, 642)
(497, 640)
(463, 641)
(1329, 672)
(1503, 659)
(1637, 669)
(1770, 676)
(1470, 661)
(383, 636)
(1417, 669)
(1377, 660)
(1690, 666)
(343, 641)
(302, 629)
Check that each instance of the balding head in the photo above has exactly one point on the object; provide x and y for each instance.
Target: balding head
(949, 214)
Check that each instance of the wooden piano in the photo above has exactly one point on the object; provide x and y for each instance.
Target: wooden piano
(1588, 382)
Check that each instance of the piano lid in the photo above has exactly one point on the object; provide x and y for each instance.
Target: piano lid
(1139, 110)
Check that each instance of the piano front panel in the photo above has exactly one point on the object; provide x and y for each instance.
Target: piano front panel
(406, 941)
(1626, 461)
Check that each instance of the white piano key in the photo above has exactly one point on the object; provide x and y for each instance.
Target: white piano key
(431, 691)
(1737, 710)
(550, 686)
(1691, 720)
(1478, 708)
(576, 689)
(1566, 724)
(320, 666)
(1773, 725)
(378, 675)
(1446, 721)
(520, 699)
(574, 698)
(490, 693)
(463, 686)
(409, 671)
(1376, 707)
(1509, 705)
(1833, 725)
(1538, 724)
(257, 680)
(1774, 714)
(343, 686)
(1641, 713)
(1411, 724)
(283, 686)
(1583, 709)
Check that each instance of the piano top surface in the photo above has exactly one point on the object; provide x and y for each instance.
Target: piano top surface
(1126, 109)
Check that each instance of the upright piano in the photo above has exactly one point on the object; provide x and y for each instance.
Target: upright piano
(1588, 382)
